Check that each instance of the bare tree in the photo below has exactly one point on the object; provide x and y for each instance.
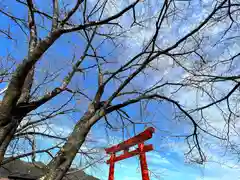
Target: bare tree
(96, 24)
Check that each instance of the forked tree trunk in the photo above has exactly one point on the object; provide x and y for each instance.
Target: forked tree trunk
(10, 114)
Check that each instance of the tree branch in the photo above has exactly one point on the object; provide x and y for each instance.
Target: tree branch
(22, 134)
(70, 13)
(35, 104)
(105, 21)
(32, 26)
(220, 100)
(55, 15)
(28, 154)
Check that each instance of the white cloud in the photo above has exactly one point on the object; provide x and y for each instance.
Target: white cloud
(157, 159)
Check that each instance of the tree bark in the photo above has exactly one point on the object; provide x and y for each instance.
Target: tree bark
(7, 134)
(27, 86)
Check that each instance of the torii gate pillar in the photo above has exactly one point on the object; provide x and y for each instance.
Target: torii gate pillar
(125, 145)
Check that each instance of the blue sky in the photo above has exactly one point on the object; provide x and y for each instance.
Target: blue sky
(167, 161)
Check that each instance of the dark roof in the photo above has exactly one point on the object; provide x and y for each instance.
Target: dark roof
(19, 170)
(19, 176)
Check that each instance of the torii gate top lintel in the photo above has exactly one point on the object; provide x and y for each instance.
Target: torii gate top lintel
(141, 137)
(125, 145)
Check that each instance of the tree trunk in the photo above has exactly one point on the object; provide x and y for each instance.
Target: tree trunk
(63, 160)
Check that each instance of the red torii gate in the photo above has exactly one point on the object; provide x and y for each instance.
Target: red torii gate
(125, 145)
